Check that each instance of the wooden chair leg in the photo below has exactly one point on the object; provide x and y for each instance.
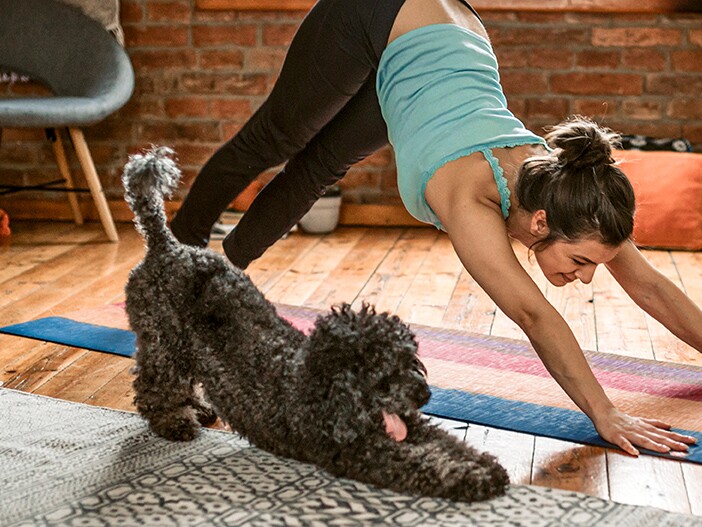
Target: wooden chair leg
(86, 163)
(60, 155)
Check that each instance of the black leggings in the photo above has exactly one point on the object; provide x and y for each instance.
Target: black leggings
(322, 116)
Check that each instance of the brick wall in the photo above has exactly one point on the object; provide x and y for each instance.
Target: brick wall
(200, 74)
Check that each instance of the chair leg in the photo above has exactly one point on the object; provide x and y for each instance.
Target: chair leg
(60, 154)
(86, 163)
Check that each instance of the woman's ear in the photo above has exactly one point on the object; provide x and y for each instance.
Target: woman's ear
(538, 226)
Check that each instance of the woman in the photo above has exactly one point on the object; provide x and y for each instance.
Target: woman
(423, 73)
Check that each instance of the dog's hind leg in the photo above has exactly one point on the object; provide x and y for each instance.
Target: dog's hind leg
(164, 388)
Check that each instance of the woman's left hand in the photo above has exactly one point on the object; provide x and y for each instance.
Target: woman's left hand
(628, 432)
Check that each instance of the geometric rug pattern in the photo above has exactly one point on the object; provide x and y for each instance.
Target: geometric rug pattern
(64, 463)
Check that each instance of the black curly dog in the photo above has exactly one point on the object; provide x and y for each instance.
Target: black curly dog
(318, 398)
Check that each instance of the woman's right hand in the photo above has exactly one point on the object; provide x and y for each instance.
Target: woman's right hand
(628, 432)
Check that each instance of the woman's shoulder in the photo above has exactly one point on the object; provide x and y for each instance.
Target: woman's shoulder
(415, 14)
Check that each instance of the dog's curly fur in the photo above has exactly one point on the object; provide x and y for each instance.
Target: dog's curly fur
(316, 398)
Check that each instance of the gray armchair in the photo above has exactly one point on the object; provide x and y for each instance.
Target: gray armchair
(88, 72)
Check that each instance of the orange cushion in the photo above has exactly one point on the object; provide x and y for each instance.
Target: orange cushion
(668, 188)
(4, 224)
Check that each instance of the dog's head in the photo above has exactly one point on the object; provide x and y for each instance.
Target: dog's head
(361, 364)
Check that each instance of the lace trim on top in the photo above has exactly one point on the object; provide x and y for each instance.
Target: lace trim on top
(501, 181)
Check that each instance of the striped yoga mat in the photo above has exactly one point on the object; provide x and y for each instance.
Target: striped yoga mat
(486, 380)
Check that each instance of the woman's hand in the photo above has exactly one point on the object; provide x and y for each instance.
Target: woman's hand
(627, 432)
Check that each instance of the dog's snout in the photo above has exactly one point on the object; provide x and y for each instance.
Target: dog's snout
(420, 367)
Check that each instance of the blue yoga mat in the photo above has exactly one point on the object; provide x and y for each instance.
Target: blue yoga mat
(475, 408)
(76, 334)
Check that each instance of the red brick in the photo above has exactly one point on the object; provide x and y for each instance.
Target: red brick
(512, 57)
(237, 35)
(222, 59)
(643, 59)
(641, 109)
(162, 59)
(687, 60)
(668, 83)
(695, 37)
(187, 107)
(130, 12)
(693, 132)
(136, 36)
(541, 17)
(685, 108)
(651, 128)
(278, 34)
(498, 16)
(597, 83)
(238, 110)
(158, 132)
(597, 59)
(517, 82)
(168, 12)
(635, 36)
(517, 105)
(139, 107)
(190, 154)
(230, 129)
(220, 84)
(552, 108)
(551, 58)
(531, 36)
(265, 59)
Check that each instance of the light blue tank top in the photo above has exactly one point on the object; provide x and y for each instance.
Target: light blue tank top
(440, 95)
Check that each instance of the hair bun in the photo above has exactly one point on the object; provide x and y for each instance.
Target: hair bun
(580, 142)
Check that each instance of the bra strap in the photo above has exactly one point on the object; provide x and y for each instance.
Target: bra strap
(500, 179)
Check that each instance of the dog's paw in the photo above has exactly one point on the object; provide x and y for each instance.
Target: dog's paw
(205, 414)
(176, 429)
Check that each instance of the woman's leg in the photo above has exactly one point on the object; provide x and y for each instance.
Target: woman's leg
(357, 131)
(334, 52)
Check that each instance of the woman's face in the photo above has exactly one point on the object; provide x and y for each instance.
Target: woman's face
(563, 262)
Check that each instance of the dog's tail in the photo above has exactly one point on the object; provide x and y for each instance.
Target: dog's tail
(147, 178)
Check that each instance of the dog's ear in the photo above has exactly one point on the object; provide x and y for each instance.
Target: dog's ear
(346, 411)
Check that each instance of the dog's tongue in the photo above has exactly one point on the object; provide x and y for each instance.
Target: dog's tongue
(395, 427)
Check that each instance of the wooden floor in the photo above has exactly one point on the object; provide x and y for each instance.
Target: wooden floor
(53, 268)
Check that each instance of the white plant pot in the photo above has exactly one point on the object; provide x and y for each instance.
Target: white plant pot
(323, 217)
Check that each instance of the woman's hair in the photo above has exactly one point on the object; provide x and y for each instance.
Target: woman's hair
(578, 185)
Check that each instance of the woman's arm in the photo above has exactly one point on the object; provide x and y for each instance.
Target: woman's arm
(479, 236)
(657, 295)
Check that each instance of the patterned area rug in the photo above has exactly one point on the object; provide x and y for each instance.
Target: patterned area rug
(71, 464)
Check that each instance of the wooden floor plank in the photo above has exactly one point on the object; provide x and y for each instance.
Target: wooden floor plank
(470, 308)
(426, 300)
(28, 252)
(621, 324)
(393, 278)
(117, 393)
(514, 450)
(664, 347)
(85, 376)
(312, 269)
(647, 480)
(350, 276)
(568, 466)
(112, 264)
(278, 259)
(692, 474)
